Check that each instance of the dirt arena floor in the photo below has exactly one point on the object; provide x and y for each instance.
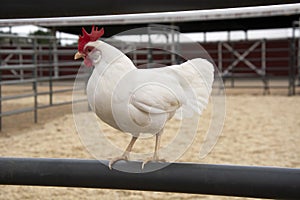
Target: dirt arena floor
(258, 130)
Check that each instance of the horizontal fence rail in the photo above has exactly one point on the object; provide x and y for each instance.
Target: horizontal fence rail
(243, 181)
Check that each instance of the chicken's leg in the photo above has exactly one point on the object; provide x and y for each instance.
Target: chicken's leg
(155, 156)
(125, 155)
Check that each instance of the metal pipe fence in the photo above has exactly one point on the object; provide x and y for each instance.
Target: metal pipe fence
(229, 180)
(35, 61)
(268, 61)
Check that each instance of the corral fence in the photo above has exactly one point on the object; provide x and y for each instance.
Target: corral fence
(32, 63)
(43, 62)
(260, 64)
(252, 64)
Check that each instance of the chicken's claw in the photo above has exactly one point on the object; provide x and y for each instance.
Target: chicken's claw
(152, 159)
(114, 160)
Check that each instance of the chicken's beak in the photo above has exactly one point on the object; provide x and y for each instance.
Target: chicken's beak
(78, 55)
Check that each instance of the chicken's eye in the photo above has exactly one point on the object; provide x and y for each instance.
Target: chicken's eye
(89, 49)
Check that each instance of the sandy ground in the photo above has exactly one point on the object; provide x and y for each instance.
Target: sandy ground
(258, 130)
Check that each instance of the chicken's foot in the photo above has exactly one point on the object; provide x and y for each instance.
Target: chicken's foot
(155, 157)
(125, 155)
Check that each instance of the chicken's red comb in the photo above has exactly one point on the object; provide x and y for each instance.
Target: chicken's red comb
(86, 37)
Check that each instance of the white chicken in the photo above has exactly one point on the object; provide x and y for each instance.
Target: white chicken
(141, 101)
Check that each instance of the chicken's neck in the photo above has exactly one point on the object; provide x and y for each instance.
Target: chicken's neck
(104, 79)
(115, 68)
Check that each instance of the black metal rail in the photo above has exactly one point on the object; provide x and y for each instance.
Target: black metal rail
(243, 181)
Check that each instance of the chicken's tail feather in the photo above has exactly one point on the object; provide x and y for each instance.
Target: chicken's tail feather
(196, 77)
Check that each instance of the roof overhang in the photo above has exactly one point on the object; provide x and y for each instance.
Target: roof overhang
(161, 17)
(197, 20)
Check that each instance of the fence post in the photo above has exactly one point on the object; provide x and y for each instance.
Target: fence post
(35, 76)
(264, 67)
(292, 63)
(150, 50)
(55, 54)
